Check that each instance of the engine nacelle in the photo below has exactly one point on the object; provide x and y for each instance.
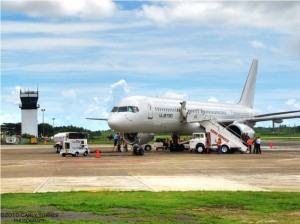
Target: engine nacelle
(138, 138)
(278, 121)
(240, 129)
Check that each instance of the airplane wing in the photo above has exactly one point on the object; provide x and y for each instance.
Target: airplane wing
(99, 119)
(278, 113)
(272, 118)
(275, 117)
(279, 116)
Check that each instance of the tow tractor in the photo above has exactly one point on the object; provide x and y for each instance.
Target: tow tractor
(71, 143)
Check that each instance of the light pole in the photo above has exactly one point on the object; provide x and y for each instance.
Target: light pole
(43, 110)
(53, 119)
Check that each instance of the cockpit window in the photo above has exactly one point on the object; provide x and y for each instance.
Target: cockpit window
(135, 109)
(115, 109)
(123, 109)
(131, 109)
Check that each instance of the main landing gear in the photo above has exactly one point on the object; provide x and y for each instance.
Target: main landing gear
(138, 150)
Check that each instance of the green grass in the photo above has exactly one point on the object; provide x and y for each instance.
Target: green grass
(162, 207)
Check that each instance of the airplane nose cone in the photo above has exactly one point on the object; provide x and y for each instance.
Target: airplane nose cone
(113, 122)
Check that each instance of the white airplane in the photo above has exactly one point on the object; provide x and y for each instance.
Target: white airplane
(139, 117)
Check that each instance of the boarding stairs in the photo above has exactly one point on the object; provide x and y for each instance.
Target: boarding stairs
(211, 125)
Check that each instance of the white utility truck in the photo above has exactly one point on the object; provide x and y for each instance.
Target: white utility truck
(73, 143)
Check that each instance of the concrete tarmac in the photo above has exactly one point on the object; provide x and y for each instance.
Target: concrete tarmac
(37, 168)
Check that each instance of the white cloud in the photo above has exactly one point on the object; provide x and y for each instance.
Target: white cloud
(62, 8)
(69, 94)
(118, 90)
(213, 99)
(9, 118)
(52, 43)
(258, 44)
(172, 94)
(96, 107)
(293, 103)
(121, 84)
(274, 15)
(9, 27)
(13, 97)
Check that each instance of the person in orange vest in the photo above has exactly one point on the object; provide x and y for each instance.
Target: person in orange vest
(219, 144)
(125, 147)
(249, 143)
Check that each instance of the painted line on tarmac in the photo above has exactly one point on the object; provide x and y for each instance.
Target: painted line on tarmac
(151, 189)
(36, 190)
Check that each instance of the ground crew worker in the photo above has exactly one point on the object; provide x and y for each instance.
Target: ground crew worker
(219, 144)
(120, 142)
(255, 146)
(166, 144)
(258, 142)
(249, 142)
(125, 147)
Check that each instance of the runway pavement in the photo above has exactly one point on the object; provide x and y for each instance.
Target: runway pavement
(37, 168)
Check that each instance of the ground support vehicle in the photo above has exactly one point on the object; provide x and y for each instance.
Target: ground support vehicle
(205, 141)
(71, 143)
(160, 143)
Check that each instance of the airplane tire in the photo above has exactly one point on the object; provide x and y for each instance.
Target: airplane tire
(135, 149)
(76, 154)
(63, 155)
(141, 151)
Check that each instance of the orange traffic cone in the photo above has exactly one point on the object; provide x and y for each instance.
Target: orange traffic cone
(271, 144)
(98, 155)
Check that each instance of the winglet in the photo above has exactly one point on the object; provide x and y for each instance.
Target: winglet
(247, 97)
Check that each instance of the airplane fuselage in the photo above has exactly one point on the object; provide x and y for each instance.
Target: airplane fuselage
(163, 115)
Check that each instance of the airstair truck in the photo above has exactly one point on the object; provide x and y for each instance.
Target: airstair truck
(71, 143)
(207, 139)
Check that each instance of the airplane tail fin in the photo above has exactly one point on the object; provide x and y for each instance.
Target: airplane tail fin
(247, 97)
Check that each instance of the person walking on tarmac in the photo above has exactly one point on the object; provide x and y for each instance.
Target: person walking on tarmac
(249, 143)
(219, 144)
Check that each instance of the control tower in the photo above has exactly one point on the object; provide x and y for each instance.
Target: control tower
(29, 108)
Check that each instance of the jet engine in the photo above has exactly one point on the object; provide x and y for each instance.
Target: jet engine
(138, 138)
(240, 129)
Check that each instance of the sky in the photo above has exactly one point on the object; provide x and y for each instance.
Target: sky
(83, 56)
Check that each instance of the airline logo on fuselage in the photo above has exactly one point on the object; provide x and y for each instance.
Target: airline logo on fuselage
(165, 115)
